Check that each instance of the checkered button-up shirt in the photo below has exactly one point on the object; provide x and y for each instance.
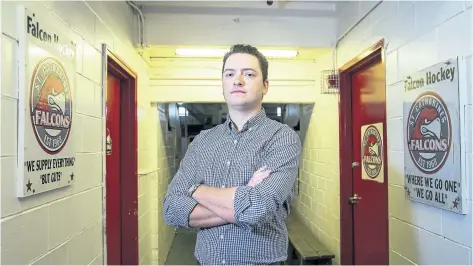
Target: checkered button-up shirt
(224, 157)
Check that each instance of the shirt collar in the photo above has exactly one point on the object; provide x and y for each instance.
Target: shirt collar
(251, 124)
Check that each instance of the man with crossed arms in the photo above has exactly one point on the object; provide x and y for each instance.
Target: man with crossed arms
(236, 180)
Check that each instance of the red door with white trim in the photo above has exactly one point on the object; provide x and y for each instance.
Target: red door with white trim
(370, 180)
(121, 163)
(113, 184)
(121, 177)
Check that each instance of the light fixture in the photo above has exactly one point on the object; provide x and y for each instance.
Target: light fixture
(221, 52)
(183, 111)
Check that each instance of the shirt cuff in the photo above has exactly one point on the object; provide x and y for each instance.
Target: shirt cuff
(241, 203)
(185, 209)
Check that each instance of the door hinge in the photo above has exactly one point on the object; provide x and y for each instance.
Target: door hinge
(135, 212)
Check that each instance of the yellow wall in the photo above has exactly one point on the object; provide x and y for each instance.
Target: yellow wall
(319, 200)
(167, 163)
(418, 34)
(66, 226)
(177, 79)
(418, 233)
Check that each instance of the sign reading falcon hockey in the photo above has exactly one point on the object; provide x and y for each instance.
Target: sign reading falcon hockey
(46, 150)
(372, 158)
(432, 137)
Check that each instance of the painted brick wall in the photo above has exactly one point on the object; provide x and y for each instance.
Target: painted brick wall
(197, 80)
(65, 226)
(167, 163)
(419, 34)
(318, 201)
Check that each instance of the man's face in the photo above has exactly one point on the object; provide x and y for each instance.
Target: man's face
(242, 80)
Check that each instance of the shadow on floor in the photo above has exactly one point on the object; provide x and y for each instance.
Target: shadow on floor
(182, 248)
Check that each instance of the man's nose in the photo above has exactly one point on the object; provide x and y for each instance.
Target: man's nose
(238, 80)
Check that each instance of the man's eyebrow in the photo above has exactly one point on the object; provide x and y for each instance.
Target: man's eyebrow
(243, 69)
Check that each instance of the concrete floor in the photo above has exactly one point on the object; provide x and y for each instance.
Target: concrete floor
(182, 248)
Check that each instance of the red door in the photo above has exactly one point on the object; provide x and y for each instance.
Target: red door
(121, 178)
(122, 163)
(370, 182)
(113, 179)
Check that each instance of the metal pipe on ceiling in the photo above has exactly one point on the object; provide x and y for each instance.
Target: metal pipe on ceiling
(141, 28)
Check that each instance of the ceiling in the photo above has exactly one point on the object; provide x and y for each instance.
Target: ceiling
(257, 8)
(222, 23)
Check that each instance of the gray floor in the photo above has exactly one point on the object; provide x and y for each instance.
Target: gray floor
(182, 248)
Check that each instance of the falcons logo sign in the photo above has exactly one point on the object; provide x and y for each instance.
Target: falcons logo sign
(51, 105)
(429, 132)
(372, 151)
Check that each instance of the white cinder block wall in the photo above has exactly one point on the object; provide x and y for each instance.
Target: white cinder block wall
(420, 34)
(65, 226)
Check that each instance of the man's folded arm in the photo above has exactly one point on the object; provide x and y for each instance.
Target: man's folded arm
(217, 200)
(180, 210)
(256, 205)
(202, 217)
(246, 205)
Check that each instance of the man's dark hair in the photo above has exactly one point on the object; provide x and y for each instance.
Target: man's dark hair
(248, 49)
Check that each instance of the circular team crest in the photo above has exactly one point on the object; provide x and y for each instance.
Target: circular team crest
(429, 132)
(50, 105)
(372, 151)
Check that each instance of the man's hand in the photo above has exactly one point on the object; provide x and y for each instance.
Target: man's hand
(259, 176)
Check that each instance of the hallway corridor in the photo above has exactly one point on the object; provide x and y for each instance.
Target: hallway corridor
(182, 248)
(100, 100)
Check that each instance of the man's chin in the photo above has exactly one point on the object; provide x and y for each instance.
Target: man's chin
(241, 105)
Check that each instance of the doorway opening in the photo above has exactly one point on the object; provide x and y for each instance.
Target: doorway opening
(364, 223)
(181, 122)
(187, 120)
(121, 181)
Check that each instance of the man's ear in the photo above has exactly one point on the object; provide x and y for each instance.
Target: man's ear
(266, 87)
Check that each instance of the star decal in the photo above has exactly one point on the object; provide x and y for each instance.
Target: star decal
(455, 203)
(407, 191)
(28, 186)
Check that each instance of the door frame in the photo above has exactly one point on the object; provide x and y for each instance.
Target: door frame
(375, 52)
(129, 151)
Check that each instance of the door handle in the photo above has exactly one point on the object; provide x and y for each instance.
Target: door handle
(355, 164)
(354, 199)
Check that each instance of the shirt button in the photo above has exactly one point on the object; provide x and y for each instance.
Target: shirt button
(223, 261)
(235, 141)
(223, 186)
(221, 236)
(228, 162)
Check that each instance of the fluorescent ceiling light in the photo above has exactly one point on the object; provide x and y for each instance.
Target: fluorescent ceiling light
(221, 52)
(201, 52)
